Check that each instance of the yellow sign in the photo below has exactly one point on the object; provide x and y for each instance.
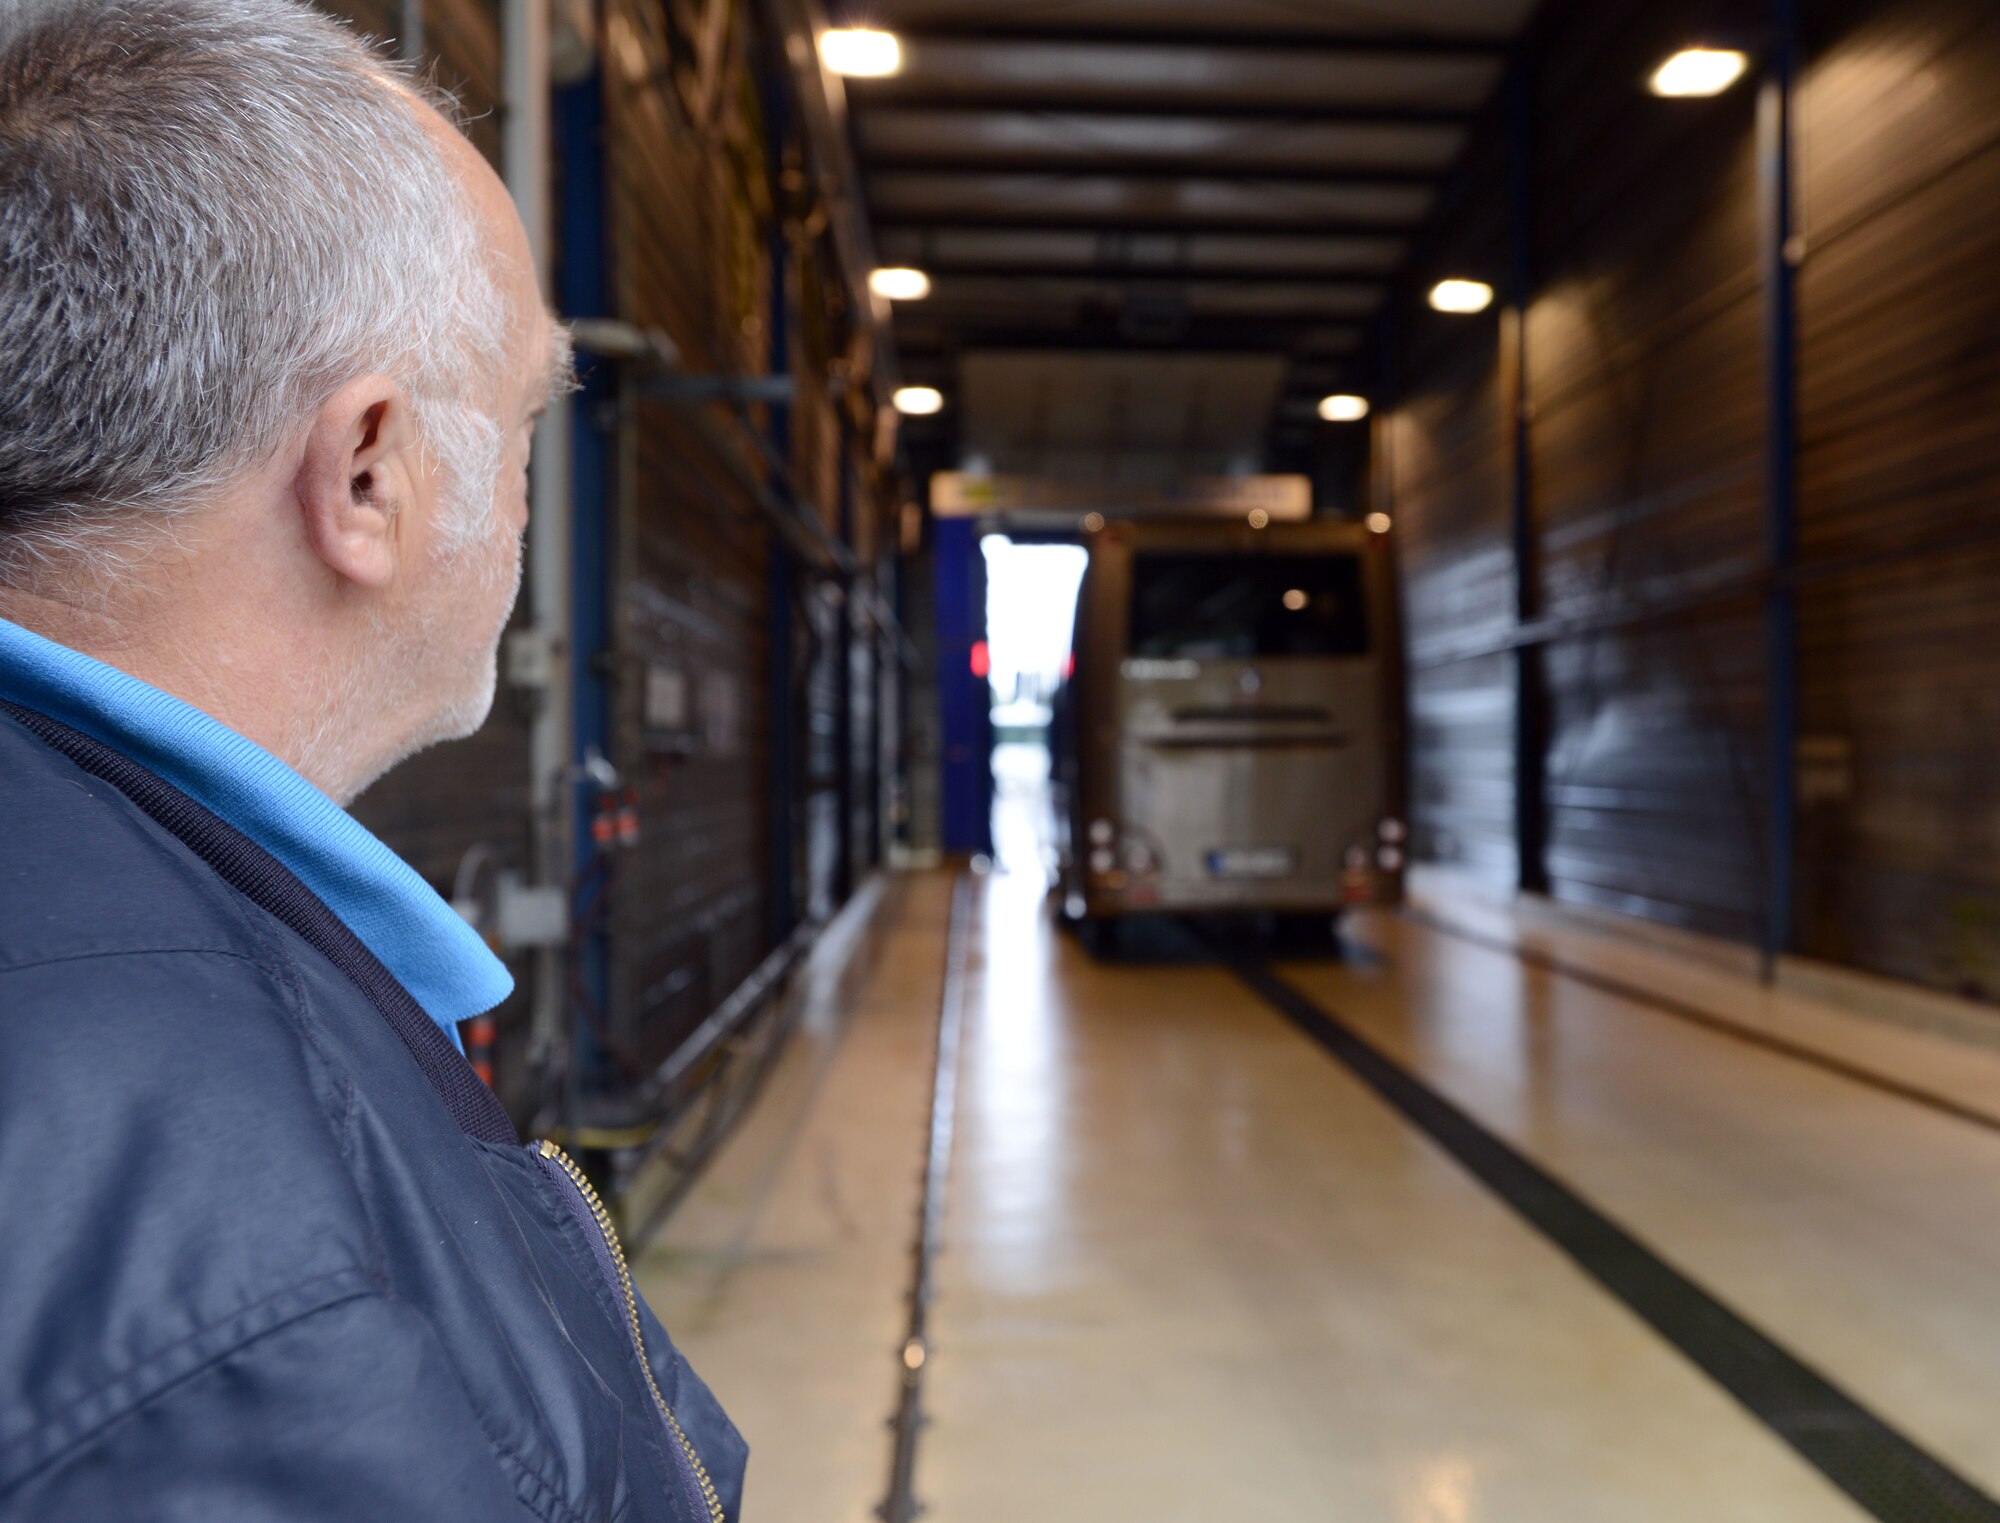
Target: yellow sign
(962, 494)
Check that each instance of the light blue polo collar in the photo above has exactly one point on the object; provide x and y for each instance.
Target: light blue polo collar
(417, 936)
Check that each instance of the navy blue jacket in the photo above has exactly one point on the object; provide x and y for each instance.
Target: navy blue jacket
(268, 1249)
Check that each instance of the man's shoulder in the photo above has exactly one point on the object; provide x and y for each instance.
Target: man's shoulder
(164, 1119)
(132, 978)
(184, 1155)
(131, 975)
(86, 875)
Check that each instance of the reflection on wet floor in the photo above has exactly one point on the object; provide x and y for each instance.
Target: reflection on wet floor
(1024, 825)
(1191, 1267)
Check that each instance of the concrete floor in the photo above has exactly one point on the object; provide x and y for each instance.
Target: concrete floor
(1192, 1269)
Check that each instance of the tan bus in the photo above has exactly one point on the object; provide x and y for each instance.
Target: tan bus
(1231, 734)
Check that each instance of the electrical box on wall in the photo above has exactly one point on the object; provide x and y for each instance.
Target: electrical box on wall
(666, 706)
(721, 714)
(531, 656)
(665, 710)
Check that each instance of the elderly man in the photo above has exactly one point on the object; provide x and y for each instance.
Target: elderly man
(271, 351)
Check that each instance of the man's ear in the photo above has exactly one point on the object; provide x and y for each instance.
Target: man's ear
(358, 478)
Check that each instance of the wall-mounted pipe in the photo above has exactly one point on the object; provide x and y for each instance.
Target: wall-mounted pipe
(540, 656)
(410, 32)
(823, 116)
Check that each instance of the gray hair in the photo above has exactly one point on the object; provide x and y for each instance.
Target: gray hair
(213, 214)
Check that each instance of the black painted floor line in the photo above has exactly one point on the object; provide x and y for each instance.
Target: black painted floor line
(1709, 1021)
(1883, 1471)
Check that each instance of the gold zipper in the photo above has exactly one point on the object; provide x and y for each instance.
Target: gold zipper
(557, 1156)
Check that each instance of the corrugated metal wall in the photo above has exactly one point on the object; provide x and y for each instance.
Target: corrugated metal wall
(692, 589)
(1899, 526)
(1446, 453)
(1645, 384)
(690, 217)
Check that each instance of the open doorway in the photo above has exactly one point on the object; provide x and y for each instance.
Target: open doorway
(1030, 613)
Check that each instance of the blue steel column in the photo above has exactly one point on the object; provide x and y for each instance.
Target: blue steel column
(782, 794)
(844, 708)
(898, 829)
(1530, 705)
(965, 719)
(1775, 160)
(583, 289)
(778, 581)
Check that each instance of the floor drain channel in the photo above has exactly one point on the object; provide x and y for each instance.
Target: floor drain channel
(901, 1505)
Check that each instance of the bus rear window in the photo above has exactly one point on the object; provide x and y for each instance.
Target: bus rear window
(1223, 607)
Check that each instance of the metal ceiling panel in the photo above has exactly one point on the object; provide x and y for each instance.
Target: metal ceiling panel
(1118, 417)
(1497, 19)
(1208, 144)
(950, 335)
(1107, 73)
(1295, 251)
(1031, 249)
(1250, 298)
(1279, 254)
(1282, 203)
(1328, 339)
(1178, 182)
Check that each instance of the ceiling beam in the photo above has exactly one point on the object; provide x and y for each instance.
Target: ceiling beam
(1207, 39)
(1041, 166)
(1266, 275)
(1087, 222)
(905, 93)
(1198, 334)
(1176, 309)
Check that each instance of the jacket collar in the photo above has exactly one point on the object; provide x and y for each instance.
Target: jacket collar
(419, 938)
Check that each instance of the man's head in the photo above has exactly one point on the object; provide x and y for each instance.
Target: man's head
(267, 322)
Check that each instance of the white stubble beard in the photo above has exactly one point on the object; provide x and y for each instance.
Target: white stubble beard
(329, 744)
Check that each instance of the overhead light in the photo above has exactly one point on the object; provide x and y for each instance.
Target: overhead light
(1461, 296)
(900, 284)
(917, 401)
(1378, 523)
(860, 52)
(1698, 71)
(1343, 408)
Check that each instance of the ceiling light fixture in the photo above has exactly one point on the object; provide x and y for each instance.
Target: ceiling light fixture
(1342, 408)
(860, 52)
(917, 401)
(1461, 296)
(1697, 72)
(900, 284)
